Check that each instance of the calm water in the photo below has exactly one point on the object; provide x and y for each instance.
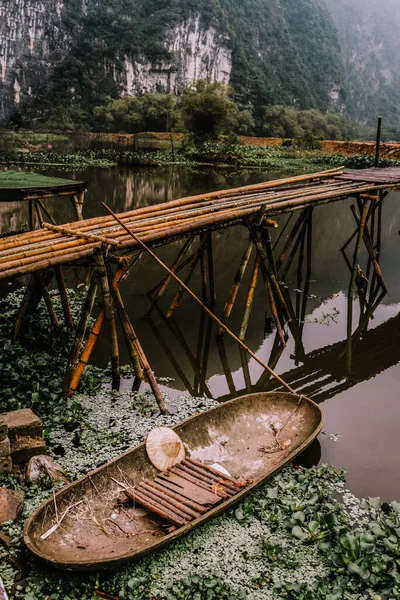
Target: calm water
(363, 409)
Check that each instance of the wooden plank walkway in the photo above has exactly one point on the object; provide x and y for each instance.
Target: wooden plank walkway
(39, 250)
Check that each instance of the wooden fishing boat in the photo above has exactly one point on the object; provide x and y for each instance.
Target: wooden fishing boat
(127, 508)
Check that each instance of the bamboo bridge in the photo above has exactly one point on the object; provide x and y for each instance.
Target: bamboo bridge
(107, 247)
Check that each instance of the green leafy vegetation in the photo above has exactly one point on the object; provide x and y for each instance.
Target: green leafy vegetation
(302, 535)
(208, 111)
(150, 112)
(31, 369)
(309, 125)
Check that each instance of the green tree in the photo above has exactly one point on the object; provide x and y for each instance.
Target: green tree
(308, 125)
(245, 124)
(150, 112)
(208, 111)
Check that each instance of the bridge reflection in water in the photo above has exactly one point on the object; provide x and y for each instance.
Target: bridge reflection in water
(322, 373)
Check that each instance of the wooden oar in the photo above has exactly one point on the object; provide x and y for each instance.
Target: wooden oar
(199, 302)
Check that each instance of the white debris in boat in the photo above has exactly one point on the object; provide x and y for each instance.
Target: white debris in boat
(221, 469)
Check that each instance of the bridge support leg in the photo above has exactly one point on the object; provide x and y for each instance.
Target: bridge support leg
(135, 348)
(79, 336)
(268, 271)
(225, 366)
(110, 319)
(164, 283)
(249, 298)
(33, 295)
(352, 285)
(236, 285)
(77, 203)
(186, 280)
(121, 271)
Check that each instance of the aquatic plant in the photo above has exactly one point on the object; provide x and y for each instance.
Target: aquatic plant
(301, 535)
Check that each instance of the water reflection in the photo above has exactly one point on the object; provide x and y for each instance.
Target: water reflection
(125, 189)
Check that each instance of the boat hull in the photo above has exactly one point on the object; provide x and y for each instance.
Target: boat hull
(240, 435)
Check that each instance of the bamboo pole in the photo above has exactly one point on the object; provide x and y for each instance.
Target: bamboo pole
(226, 367)
(297, 243)
(109, 313)
(86, 353)
(245, 368)
(76, 233)
(134, 217)
(211, 314)
(206, 354)
(236, 285)
(48, 301)
(174, 328)
(267, 269)
(300, 273)
(38, 213)
(77, 203)
(46, 212)
(179, 268)
(290, 239)
(64, 296)
(136, 345)
(283, 230)
(80, 335)
(199, 351)
(23, 309)
(210, 266)
(249, 298)
(351, 286)
(30, 217)
(120, 273)
(175, 364)
(275, 313)
(123, 317)
(179, 293)
(370, 250)
(378, 142)
(308, 273)
(135, 342)
(203, 277)
(167, 279)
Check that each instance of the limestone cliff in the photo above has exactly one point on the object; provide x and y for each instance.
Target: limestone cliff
(271, 51)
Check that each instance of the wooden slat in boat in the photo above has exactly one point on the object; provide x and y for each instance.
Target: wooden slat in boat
(96, 533)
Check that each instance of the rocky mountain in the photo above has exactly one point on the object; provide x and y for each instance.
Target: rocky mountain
(369, 34)
(295, 52)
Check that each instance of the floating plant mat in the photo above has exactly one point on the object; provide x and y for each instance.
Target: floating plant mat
(88, 530)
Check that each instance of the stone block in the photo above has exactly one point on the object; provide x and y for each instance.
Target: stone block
(4, 448)
(5, 465)
(21, 423)
(23, 448)
(10, 504)
(3, 429)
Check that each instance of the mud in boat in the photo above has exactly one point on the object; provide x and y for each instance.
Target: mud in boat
(99, 521)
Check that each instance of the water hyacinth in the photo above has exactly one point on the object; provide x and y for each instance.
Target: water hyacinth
(302, 535)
